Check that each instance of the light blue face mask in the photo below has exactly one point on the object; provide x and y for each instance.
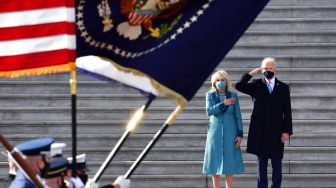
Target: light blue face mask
(220, 85)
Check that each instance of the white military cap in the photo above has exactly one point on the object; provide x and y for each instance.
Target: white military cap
(80, 160)
(56, 149)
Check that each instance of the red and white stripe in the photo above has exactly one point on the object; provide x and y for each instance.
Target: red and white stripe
(137, 19)
(36, 33)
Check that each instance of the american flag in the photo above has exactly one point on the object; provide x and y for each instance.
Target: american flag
(36, 37)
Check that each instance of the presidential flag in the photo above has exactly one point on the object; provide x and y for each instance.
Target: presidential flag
(162, 47)
(36, 37)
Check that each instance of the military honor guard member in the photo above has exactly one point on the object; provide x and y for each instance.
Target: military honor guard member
(34, 151)
(56, 172)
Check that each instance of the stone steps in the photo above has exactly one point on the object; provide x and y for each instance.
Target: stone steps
(321, 153)
(294, 3)
(290, 11)
(190, 167)
(278, 49)
(113, 113)
(169, 140)
(91, 87)
(283, 72)
(192, 154)
(307, 126)
(293, 24)
(200, 181)
(293, 61)
(241, 181)
(137, 100)
(319, 36)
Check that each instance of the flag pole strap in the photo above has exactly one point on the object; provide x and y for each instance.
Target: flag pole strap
(121, 141)
(156, 137)
(73, 87)
(22, 162)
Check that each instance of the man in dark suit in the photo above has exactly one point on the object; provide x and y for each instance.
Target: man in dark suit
(271, 119)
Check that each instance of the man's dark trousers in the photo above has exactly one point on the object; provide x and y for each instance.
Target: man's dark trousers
(262, 171)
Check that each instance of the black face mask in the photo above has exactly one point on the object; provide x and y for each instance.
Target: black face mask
(268, 74)
(44, 170)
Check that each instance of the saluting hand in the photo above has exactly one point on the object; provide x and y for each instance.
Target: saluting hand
(229, 101)
(255, 71)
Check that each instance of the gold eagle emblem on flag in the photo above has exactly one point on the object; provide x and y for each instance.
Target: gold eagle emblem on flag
(141, 13)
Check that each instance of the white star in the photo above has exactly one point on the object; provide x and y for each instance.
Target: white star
(80, 22)
(80, 25)
(205, 6)
(186, 25)
(193, 19)
(88, 39)
(109, 47)
(134, 55)
(80, 8)
(82, 3)
(84, 34)
(173, 36)
(102, 46)
(180, 30)
(117, 50)
(79, 15)
(97, 44)
(200, 12)
(128, 54)
(123, 53)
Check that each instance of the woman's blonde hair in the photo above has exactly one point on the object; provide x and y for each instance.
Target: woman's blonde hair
(223, 74)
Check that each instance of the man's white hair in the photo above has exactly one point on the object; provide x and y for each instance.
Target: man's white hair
(268, 60)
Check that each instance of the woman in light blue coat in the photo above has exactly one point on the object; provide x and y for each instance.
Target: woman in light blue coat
(225, 131)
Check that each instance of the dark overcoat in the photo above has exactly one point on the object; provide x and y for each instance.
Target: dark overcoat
(271, 116)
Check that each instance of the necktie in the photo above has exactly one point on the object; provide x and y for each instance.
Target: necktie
(270, 89)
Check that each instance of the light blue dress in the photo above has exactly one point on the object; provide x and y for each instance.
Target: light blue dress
(221, 156)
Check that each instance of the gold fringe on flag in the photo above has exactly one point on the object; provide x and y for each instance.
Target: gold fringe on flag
(40, 70)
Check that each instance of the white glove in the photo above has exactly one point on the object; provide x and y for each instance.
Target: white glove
(123, 183)
(91, 184)
(76, 182)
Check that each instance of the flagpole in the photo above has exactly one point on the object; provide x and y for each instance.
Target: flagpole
(73, 85)
(135, 120)
(22, 162)
(156, 137)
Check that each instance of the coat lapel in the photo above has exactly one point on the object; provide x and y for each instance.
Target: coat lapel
(276, 86)
(215, 98)
(265, 85)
